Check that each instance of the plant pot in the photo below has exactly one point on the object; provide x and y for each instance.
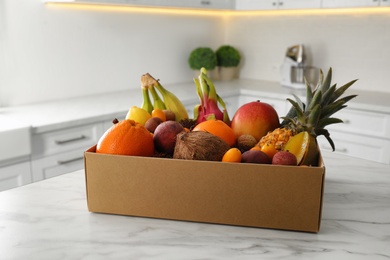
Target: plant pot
(227, 73)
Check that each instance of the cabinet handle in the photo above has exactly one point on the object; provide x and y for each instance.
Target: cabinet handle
(205, 2)
(77, 138)
(62, 162)
(342, 150)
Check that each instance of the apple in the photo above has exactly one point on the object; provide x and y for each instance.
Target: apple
(255, 118)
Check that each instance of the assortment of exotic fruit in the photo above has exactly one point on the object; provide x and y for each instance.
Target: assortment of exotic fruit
(161, 126)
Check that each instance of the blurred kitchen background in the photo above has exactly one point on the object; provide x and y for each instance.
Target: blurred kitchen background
(50, 52)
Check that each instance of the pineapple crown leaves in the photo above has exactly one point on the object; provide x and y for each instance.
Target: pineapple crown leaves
(321, 103)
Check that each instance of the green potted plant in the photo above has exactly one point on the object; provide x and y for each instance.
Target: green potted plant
(228, 59)
(202, 57)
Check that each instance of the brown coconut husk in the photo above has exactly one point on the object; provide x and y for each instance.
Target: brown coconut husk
(199, 145)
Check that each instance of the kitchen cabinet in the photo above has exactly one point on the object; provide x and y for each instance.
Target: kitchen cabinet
(58, 152)
(204, 4)
(276, 4)
(384, 2)
(237, 4)
(207, 4)
(15, 175)
(363, 134)
(350, 3)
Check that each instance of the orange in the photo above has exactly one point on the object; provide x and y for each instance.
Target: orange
(218, 128)
(126, 138)
(232, 155)
(159, 113)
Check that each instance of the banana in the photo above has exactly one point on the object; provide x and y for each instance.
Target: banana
(172, 103)
(170, 100)
(158, 103)
(147, 103)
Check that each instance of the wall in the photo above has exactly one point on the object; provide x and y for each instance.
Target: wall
(355, 44)
(49, 52)
(52, 52)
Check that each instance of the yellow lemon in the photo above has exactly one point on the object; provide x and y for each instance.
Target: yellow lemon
(138, 114)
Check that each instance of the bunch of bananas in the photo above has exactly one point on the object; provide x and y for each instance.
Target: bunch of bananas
(168, 101)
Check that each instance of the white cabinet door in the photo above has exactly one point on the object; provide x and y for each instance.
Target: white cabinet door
(15, 175)
(276, 4)
(385, 3)
(66, 139)
(373, 149)
(51, 166)
(299, 4)
(257, 5)
(348, 3)
(206, 4)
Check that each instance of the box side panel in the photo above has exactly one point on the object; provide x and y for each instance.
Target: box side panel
(237, 194)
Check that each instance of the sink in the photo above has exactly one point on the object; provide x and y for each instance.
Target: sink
(15, 139)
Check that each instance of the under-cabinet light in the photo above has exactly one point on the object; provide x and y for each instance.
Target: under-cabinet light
(123, 6)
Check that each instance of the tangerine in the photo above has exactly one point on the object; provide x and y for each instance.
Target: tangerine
(159, 113)
(232, 155)
(269, 149)
(218, 128)
(126, 138)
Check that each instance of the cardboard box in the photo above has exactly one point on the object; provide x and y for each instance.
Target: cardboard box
(254, 195)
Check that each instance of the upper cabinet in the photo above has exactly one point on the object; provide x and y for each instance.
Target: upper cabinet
(239, 4)
(354, 3)
(209, 4)
(206, 4)
(276, 4)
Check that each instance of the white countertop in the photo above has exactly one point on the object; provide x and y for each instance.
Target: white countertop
(50, 220)
(58, 114)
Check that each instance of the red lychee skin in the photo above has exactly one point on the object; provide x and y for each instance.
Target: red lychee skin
(255, 118)
(284, 158)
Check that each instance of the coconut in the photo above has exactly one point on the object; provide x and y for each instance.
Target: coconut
(199, 145)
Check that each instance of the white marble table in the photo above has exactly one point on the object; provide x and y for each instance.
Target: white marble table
(50, 220)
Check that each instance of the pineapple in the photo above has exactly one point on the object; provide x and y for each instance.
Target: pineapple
(312, 116)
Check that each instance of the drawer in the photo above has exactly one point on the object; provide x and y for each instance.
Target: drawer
(51, 166)
(370, 124)
(373, 149)
(68, 139)
(15, 175)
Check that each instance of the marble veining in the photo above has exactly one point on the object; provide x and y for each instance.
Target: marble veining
(50, 220)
